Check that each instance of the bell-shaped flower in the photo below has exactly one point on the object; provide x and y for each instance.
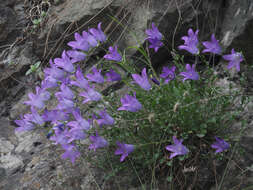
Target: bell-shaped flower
(91, 95)
(98, 33)
(80, 121)
(212, 46)
(190, 73)
(113, 54)
(54, 72)
(113, 76)
(34, 117)
(37, 100)
(130, 103)
(76, 55)
(97, 142)
(80, 80)
(65, 62)
(96, 76)
(124, 150)
(65, 92)
(24, 125)
(71, 152)
(155, 44)
(168, 74)
(154, 33)
(76, 134)
(220, 145)
(190, 42)
(235, 58)
(90, 39)
(55, 115)
(105, 119)
(142, 80)
(79, 43)
(178, 148)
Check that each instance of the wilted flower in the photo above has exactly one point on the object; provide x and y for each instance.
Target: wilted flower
(113, 76)
(97, 142)
(168, 74)
(212, 46)
(113, 54)
(190, 73)
(235, 58)
(220, 145)
(96, 76)
(190, 42)
(178, 148)
(142, 80)
(124, 150)
(130, 103)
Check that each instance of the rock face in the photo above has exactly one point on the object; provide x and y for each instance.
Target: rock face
(28, 160)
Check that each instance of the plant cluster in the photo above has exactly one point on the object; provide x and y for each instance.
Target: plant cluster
(161, 118)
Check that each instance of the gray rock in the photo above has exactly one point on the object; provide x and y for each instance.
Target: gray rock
(7, 22)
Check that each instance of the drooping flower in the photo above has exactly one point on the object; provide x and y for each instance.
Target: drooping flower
(106, 119)
(178, 148)
(130, 103)
(142, 80)
(76, 55)
(79, 43)
(65, 62)
(38, 99)
(80, 121)
(80, 80)
(124, 150)
(96, 76)
(98, 33)
(220, 145)
(155, 44)
(97, 142)
(190, 42)
(113, 54)
(113, 76)
(190, 73)
(154, 33)
(71, 152)
(91, 95)
(212, 46)
(168, 74)
(235, 58)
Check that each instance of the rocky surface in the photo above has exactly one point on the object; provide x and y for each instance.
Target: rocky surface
(28, 160)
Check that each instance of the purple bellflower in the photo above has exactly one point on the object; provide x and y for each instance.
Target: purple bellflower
(65, 62)
(142, 80)
(65, 92)
(155, 44)
(64, 103)
(90, 94)
(98, 33)
(106, 119)
(154, 33)
(90, 39)
(76, 134)
(71, 152)
(76, 55)
(130, 103)
(60, 136)
(190, 42)
(212, 46)
(96, 76)
(97, 142)
(37, 100)
(220, 145)
(54, 116)
(80, 43)
(235, 58)
(113, 76)
(54, 72)
(80, 80)
(168, 74)
(190, 73)
(178, 148)
(124, 150)
(113, 54)
(24, 125)
(80, 121)
(34, 117)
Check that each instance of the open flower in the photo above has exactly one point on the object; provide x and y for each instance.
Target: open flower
(90, 94)
(113, 76)
(190, 73)
(124, 150)
(76, 55)
(235, 58)
(96, 76)
(79, 43)
(168, 74)
(220, 145)
(65, 62)
(142, 80)
(113, 54)
(106, 119)
(130, 103)
(178, 148)
(212, 46)
(154, 33)
(190, 42)
(98, 33)
(97, 142)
